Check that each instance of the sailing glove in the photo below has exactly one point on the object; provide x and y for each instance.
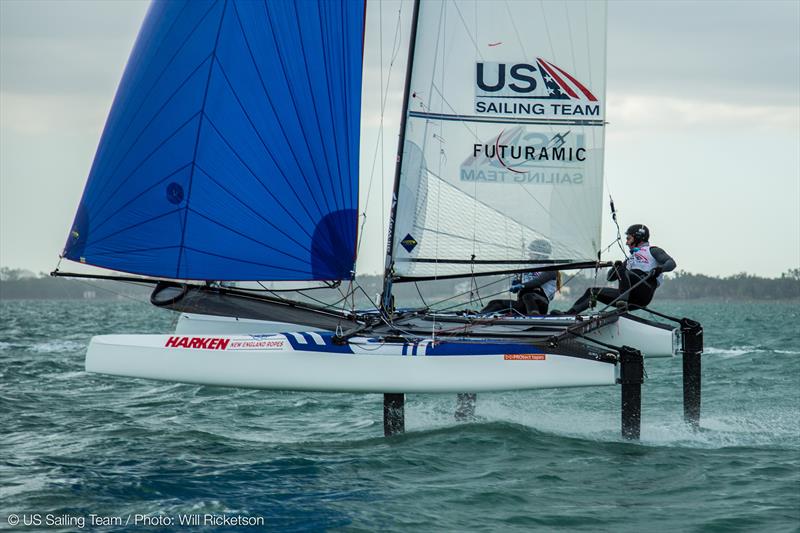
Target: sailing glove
(516, 287)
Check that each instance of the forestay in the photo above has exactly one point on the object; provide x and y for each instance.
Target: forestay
(504, 137)
(231, 149)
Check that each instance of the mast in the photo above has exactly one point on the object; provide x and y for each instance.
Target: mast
(386, 296)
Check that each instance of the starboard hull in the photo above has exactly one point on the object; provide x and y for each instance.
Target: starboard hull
(312, 362)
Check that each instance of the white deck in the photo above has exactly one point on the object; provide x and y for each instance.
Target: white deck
(651, 341)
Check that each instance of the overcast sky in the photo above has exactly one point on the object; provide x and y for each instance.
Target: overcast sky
(703, 143)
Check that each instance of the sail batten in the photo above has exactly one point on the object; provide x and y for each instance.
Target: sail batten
(284, 136)
(230, 152)
(185, 128)
(186, 210)
(304, 132)
(141, 101)
(214, 218)
(215, 163)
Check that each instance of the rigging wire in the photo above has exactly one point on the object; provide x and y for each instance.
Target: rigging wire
(382, 131)
(275, 293)
(571, 36)
(112, 291)
(465, 293)
(469, 293)
(379, 146)
(120, 294)
(264, 288)
(422, 298)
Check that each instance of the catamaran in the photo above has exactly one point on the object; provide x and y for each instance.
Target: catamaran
(231, 155)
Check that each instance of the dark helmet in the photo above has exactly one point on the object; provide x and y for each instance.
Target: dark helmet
(639, 232)
(541, 247)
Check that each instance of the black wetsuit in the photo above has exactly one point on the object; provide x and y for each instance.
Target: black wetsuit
(531, 299)
(641, 295)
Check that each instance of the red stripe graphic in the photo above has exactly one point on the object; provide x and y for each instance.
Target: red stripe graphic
(580, 86)
(497, 155)
(559, 81)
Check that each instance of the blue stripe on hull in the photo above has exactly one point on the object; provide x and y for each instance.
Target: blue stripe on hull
(445, 348)
(312, 345)
(479, 348)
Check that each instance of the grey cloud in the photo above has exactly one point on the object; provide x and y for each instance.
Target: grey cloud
(57, 20)
(735, 51)
(42, 56)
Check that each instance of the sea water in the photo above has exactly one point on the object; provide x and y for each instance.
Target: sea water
(93, 452)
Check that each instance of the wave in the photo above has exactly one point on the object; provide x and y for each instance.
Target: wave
(738, 351)
(58, 346)
(575, 419)
(734, 351)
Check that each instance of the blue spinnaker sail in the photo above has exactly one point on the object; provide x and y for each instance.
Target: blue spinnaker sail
(231, 149)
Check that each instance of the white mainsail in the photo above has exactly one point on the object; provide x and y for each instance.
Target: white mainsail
(504, 137)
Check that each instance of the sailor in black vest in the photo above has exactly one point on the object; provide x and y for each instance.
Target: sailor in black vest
(534, 290)
(644, 263)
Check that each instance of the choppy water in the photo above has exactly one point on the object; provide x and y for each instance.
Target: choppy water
(75, 444)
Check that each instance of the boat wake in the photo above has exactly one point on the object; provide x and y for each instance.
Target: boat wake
(661, 427)
(738, 351)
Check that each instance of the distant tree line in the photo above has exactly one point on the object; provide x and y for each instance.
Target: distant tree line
(16, 284)
(682, 285)
(685, 285)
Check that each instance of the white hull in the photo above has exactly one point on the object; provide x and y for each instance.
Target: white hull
(652, 341)
(311, 362)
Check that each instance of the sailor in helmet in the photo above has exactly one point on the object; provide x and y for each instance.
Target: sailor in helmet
(642, 271)
(534, 290)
